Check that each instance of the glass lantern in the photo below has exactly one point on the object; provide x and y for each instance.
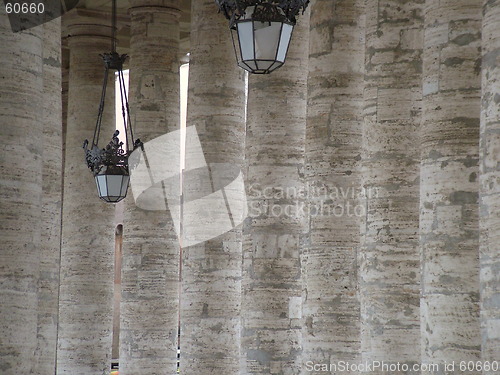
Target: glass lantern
(261, 31)
(260, 46)
(112, 184)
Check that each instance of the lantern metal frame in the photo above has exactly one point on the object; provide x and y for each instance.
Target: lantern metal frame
(262, 11)
(112, 160)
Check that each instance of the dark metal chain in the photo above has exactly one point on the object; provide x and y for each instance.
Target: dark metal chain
(113, 26)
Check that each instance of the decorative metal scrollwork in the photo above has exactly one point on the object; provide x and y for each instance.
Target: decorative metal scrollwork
(114, 60)
(110, 156)
(265, 11)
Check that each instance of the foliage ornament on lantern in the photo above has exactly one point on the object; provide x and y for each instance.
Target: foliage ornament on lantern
(261, 31)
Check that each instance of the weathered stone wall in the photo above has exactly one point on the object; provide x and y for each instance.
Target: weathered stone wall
(490, 183)
(21, 131)
(150, 283)
(449, 225)
(333, 152)
(211, 270)
(275, 231)
(86, 285)
(389, 262)
(50, 252)
(384, 264)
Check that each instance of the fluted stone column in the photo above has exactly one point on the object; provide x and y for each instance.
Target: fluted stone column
(275, 231)
(48, 294)
(211, 270)
(389, 262)
(449, 225)
(21, 132)
(86, 286)
(333, 150)
(490, 184)
(150, 272)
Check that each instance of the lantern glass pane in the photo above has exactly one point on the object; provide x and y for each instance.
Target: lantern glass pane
(114, 185)
(236, 44)
(125, 182)
(276, 65)
(267, 37)
(265, 65)
(286, 35)
(245, 34)
(250, 65)
(101, 185)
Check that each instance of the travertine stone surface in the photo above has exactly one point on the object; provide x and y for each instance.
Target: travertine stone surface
(150, 272)
(48, 294)
(86, 285)
(331, 308)
(275, 230)
(64, 93)
(490, 184)
(449, 184)
(211, 271)
(21, 132)
(115, 353)
(389, 262)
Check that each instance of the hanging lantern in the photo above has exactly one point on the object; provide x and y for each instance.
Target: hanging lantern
(110, 164)
(261, 31)
(110, 168)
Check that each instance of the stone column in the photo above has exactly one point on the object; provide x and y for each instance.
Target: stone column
(333, 150)
(87, 254)
(21, 132)
(64, 93)
(449, 184)
(150, 271)
(389, 262)
(490, 184)
(48, 294)
(275, 232)
(211, 270)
